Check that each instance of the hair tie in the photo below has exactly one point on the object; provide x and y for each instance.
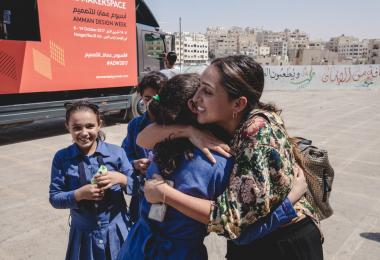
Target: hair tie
(68, 105)
(156, 97)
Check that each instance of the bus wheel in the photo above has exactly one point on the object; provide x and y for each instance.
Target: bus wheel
(137, 106)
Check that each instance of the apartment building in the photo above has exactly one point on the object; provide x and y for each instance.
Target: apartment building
(357, 51)
(213, 34)
(264, 51)
(334, 42)
(278, 48)
(247, 43)
(297, 39)
(193, 48)
(315, 56)
(374, 51)
(226, 45)
(250, 49)
(265, 37)
(350, 49)
(223, 42)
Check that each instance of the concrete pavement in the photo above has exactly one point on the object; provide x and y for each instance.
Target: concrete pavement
(345, 122)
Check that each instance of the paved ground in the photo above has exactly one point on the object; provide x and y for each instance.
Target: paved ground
(345, 122)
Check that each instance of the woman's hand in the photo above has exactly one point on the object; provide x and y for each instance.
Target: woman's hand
(206, 141)
(88, 192)
(107, 180)
(153, 189)
(299, 185)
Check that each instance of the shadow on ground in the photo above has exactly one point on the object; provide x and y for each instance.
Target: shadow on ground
(371, 236)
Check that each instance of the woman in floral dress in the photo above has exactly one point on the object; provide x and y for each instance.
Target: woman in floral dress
(264, 169)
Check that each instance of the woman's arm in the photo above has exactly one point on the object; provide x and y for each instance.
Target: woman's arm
(282, 215)
(153, 134)
(157, 191)
(262, 178)
(204, 140)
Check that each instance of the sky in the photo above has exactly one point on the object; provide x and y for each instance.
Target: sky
(320, 19)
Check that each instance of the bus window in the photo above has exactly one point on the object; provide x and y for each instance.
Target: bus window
(154, 50)
(19, 20)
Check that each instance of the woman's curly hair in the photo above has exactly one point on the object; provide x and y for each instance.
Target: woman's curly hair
(171, 107)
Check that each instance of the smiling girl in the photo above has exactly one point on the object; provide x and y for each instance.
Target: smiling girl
(99, 220)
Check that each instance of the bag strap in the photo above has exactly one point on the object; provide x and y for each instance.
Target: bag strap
(326, 187)
(304, 144)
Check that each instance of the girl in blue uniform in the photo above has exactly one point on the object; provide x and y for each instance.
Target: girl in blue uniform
(177, 160)
(99, 220)
(138, 156)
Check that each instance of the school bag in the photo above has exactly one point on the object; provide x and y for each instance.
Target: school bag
(318, 171)
(319, 176)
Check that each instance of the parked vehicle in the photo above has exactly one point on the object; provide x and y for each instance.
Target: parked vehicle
(52, 52)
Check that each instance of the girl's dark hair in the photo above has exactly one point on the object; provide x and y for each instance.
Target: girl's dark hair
(171, 108)
(84, 105)
(154, 80)
(243, 76)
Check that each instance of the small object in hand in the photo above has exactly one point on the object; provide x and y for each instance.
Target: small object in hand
(158, 210)
(102, 170)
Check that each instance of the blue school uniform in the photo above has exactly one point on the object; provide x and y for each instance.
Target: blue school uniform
(178, 236)
(98, 229)
(181, 237)
(135, 152)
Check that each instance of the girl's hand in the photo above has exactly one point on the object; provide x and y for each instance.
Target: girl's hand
(153, 189)
(141, 165)
(299, 185)
(107, 180)
(88, 192)
(206, 141)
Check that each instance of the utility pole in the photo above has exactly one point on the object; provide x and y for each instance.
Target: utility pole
(180, 45)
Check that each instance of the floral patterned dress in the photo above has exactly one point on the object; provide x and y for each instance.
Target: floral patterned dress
(262, 176)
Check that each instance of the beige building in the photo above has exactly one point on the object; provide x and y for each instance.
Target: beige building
(213, 35)
(278, 48)
(265, 37)
(226, 45)
(349, 49)
(247, 43)
(223, 42)
(264, 50)
(193, 48)
(374, 51)
(297, 39)
(357, 51)
(273, 60)
(252, 49)
(314, 56)
(334, 42)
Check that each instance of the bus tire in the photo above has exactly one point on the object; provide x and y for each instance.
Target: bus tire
(137, 106)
